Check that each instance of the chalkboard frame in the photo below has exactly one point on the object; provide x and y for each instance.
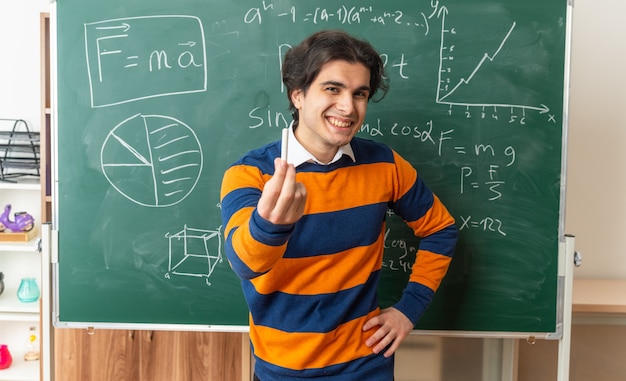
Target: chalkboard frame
(59, 322)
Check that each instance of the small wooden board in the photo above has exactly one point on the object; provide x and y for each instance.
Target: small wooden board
(9, 236)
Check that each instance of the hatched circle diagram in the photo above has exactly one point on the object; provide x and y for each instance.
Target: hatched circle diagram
(153, 160)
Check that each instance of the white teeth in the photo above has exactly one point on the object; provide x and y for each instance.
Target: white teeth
(337, 123)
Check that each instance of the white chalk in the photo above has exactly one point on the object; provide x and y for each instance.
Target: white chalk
(284, 147)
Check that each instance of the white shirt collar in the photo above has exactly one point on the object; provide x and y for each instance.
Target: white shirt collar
(299, 155)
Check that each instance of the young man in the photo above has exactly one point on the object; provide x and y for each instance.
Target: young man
(306, 235)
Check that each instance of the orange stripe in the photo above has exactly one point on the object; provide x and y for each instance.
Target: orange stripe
(429, 269)
(406, 173)
(239, 218)
(435, 219)
(242, 176)
(344, 344)
(332, 187)
(256, 255)
(321, 274)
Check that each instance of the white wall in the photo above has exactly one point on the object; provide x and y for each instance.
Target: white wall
(20, 90)
(596, 182)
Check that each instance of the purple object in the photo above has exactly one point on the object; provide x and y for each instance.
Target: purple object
(22, 221)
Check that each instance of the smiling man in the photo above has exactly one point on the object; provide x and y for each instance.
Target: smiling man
(306, 236)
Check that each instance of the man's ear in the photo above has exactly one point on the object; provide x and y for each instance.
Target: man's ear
(296, 98)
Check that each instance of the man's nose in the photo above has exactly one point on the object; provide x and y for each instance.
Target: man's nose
(345, 104)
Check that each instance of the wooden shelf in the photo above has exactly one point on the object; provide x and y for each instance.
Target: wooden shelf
(599, 296)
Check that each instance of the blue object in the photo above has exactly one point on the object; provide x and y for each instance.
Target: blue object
(28, 290)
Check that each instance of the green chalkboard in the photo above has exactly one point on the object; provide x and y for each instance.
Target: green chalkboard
(156, 99)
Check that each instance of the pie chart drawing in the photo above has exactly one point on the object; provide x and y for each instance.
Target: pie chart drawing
(153, 160)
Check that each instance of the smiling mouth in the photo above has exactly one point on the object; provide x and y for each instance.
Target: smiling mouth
(339, 123)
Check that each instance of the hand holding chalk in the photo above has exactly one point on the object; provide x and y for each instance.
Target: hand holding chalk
(283, 198)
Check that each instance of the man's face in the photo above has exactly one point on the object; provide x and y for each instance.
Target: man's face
(333, 108)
